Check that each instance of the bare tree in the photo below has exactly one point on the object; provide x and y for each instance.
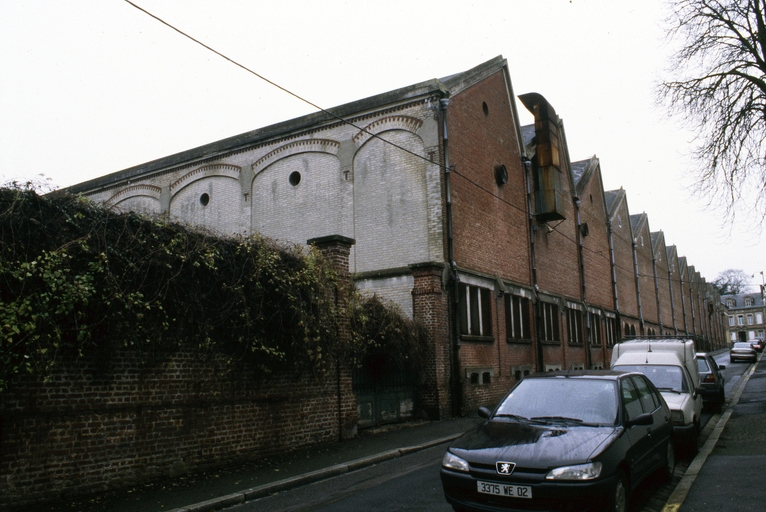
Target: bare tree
(719, 86)
(732, 282)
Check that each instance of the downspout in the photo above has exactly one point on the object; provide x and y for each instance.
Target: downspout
(672, 301)
(614, 268)
(638, 289)
(657, 293)
(614, 275)
(586, 341)
(694, 316)
(683, 308)
(533, 263)
(457, 401)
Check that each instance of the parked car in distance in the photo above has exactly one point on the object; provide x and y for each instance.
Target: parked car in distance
(711, 381)
(742, 350)
(562, 441)
(757, 344)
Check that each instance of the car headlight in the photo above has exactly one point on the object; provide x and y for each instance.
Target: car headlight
(579, 472)
(452, 461)
(677, 416)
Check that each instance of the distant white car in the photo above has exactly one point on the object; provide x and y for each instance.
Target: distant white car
(742, 350)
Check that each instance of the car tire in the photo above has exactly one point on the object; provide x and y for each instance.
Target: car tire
(718, 407)
(619, 495)
(670, 462)
(691, 445)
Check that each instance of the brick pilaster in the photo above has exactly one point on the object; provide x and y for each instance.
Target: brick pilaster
(431, 308)
(336, 249)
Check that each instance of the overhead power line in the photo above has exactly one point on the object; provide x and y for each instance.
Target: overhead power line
(345, 121)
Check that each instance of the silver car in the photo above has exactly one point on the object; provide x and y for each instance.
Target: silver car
(742, 351)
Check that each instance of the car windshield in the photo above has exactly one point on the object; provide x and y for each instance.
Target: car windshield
(568, 400)
(742, 344)
(665, 378)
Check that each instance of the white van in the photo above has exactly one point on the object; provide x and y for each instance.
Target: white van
(671, 365)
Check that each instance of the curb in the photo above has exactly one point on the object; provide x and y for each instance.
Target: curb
(678, 496)
(307, 478)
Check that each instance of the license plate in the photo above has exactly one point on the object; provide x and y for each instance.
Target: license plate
(510, 490)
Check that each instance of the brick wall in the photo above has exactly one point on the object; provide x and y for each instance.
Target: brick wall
(94, 427)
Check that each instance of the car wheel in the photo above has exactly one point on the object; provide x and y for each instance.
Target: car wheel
(670, 462)
(691, 446)
(618, 500)
(719, 403)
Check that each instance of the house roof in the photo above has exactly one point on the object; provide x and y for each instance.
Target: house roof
(444, 87)
(739, 300)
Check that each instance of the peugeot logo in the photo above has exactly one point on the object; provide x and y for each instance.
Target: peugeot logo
(504, 468)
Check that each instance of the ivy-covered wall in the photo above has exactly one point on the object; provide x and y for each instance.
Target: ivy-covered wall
(133, 348)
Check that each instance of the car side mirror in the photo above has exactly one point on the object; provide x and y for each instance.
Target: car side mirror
(642, 419)
(698, 391)
(722, 367)
(483, 412)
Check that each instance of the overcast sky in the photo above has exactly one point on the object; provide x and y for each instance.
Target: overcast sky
(90, 87)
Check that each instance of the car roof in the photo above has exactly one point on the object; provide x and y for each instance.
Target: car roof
(658, 358)
(579, 374)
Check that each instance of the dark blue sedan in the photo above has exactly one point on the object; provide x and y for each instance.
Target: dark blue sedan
(562, 441)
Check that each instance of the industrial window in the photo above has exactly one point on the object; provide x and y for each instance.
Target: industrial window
(517, 318)
(593, 329)
(611, 331)
(550, 322)
(475, 310)
(574, 325)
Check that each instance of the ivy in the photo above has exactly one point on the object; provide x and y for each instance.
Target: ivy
(77, 279)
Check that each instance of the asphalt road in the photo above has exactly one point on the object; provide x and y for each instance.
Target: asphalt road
(412, 482)
(406, 483)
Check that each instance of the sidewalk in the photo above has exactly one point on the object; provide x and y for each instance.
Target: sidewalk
(217, 489)
(729, 470)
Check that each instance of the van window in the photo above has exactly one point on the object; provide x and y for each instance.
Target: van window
(664, 378)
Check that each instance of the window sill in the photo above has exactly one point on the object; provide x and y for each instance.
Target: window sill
(551, 342)
(520, 341)
(481, 339)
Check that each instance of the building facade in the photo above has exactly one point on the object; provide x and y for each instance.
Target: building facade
(512, 255)
(746, 316)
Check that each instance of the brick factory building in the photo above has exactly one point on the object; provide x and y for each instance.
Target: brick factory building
(512, 255)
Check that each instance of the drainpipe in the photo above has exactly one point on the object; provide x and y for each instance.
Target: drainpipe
(610, 234)
(672, 301)
(657, 293)
(638, 289)
(586, 342)
(533, 263)
(457, 400)
(683, 308)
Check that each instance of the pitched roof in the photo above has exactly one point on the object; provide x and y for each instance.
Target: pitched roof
(445, 87)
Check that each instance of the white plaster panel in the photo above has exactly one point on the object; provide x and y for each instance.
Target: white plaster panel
(222, 214)
(139, 204)
(390, 203)
(310, 209)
